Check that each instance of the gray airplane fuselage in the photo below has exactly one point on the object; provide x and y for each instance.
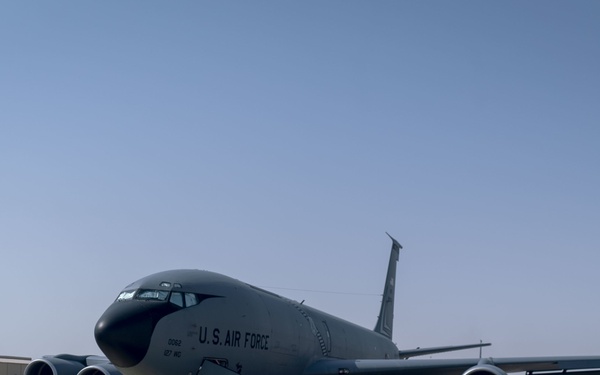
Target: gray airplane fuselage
(173, 321)
(190, 322)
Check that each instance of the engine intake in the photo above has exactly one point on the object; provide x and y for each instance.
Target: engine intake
(65, 364)
(53, 366)
(100, 369)
(484, 369)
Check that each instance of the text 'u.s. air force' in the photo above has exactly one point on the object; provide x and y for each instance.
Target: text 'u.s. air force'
(233, 338)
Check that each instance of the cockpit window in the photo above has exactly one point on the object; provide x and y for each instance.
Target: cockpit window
(181, 299)
(152, 295)
(176, 299)
(191, 299)
(126, 295)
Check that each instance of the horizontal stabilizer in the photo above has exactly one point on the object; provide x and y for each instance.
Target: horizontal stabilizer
(439, 349)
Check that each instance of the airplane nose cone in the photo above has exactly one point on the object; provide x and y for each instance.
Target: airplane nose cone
(124, 331)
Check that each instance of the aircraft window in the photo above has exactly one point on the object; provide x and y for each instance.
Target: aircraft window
(176, 299)
(191, 299)
(152, 295)
(165, 284)
(126, 295)
(176, 285)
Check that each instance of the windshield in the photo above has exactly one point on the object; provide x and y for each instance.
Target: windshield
(126, 295)
(152, 295)
(181, 299)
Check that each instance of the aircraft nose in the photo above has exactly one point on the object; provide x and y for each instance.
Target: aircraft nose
(124, 331)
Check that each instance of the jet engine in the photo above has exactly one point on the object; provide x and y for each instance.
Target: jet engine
(100, 369)
(67, 364)
(484, 367)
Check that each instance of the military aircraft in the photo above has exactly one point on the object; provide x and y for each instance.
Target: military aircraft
(191, 322)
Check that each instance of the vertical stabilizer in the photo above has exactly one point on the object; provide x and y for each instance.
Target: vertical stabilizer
(385, 322)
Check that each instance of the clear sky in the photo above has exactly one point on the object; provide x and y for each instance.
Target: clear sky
(276, 142)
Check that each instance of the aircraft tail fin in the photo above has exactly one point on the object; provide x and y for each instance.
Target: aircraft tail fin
(385, 321)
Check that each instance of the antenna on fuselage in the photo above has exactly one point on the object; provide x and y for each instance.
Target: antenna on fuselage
(385, 321)
(481, 342)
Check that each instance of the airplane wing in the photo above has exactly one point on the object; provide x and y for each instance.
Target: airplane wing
(496, 366)
(407, 353)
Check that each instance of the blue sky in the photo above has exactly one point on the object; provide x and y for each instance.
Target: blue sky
(276, 142)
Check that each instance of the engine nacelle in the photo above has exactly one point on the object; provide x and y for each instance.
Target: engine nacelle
(484, 369)
(51, 365)
(100, 369)
(66, 364)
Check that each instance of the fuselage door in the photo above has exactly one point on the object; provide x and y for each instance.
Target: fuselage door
(215, 366)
